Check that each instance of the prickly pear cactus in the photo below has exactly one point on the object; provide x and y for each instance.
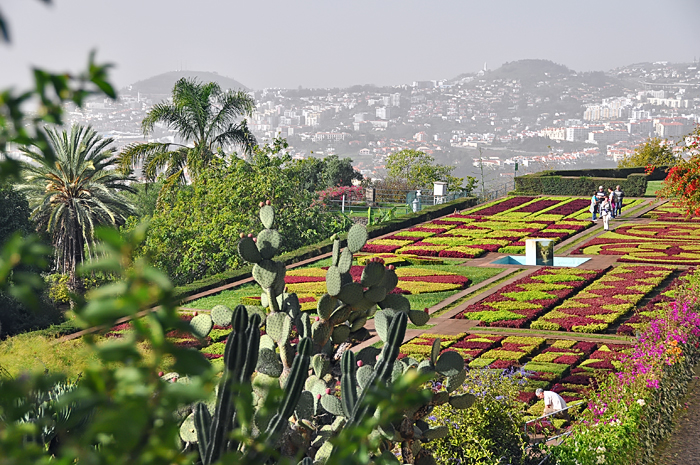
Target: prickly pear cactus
(342, 314)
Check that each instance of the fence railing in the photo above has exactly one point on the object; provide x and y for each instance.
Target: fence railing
(406, 201)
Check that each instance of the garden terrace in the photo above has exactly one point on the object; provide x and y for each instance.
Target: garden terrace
(604, 301)
(654, 242)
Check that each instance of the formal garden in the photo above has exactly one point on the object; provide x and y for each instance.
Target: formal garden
(201, 303)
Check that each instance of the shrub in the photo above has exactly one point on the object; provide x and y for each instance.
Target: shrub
(491, 429)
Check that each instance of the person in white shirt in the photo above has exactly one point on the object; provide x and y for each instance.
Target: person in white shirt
(553, 402)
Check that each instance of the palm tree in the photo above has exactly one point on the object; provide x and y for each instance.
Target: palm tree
(205, 118)
(77, 192)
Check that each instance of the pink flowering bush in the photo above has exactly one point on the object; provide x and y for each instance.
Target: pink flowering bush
(632, 409)
(351, 193)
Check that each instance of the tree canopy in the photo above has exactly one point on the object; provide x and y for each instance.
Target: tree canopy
(195, 232)
(683, 180)
(655, 152)
(317, 174)
(76, 193)
(207, 119)
(417, 169)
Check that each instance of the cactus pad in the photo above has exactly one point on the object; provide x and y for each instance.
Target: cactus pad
(357, 237)
(265, 273)
(340, 334)
(440, 398)
(351, 294)
(363, 375)
(267, 216)
(266, 342)
(332, 405)
(340, 315)
(390, 280)
(375, 294)
(368, 355)
(454, 382)
(256, 310)
(278, 284)
(248, 250)
(334, 281)
(463, 401)
(201, 325)
(326, 305)
(336, 252)
(320, 332)
(304, 325)
(397, 302)
(321, 365)
(315, 385)
(290, 304)
(345, 261)
(269, 363)
(221, 315)
(425, 367)
(382, 320)
(357, 324)
(188, 432)
(397, 371)
(449, 364)
(436, 432)
(306, 407)
(372, 274)
(279, 327)
(418, 318)
(269, 242)
(264, 301)
(435, 351)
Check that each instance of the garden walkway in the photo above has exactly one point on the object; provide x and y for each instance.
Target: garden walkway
(683, 446)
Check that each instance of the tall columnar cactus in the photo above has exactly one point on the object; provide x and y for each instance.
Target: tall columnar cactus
(240, 360)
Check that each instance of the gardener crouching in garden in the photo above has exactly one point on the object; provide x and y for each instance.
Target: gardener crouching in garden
(553, 402)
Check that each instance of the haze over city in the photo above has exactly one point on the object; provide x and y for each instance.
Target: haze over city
(339, 44)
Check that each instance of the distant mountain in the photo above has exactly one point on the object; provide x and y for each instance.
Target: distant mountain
(529, 71)
(163, 83)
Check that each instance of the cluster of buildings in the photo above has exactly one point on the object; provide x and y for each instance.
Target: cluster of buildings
(545, 116)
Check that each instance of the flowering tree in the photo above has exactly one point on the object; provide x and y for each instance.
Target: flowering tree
(683, 180)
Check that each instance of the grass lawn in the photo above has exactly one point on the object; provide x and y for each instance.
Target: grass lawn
(652, 187)
(232, 297)
(39, 354)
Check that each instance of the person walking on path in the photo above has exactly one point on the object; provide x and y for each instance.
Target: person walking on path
(594, 207)
(553, 403)
(619, 195)
(606, 213)
(611, 199)
(600, 194)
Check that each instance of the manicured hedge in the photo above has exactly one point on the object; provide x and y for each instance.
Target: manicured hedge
(634, 185)
(586, 182)
(314, 250)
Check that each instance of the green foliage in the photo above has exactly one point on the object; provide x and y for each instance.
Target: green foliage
(317, 174)
(206, 119)
(195, 233)
(489, 430)
(58, 288)
(144, 199)
(75, 193)
(580, 183)
(418, 170)
(14, 211)
(654, 151)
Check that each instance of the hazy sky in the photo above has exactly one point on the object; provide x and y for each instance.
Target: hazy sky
(337, 43)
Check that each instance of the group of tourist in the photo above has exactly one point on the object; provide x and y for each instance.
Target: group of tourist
(607, 204)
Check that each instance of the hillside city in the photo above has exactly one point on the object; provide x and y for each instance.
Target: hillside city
(533, 113)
